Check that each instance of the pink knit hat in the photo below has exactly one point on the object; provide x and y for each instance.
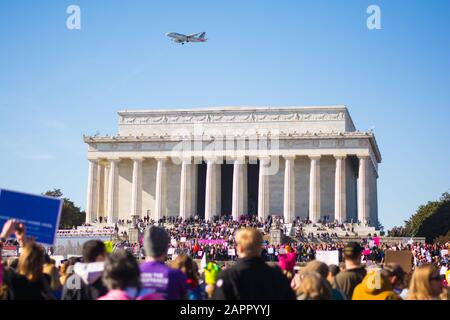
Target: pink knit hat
(287, 261)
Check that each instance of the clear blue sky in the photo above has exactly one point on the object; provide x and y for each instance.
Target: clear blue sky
(56, 84)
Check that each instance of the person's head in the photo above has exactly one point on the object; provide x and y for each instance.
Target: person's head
(249, 243)
(316, 266)
(425, 283)
(93, 251)
(121, 271)
(31, 261)
(352, 253)
(313, 287)
(187, 266)
(156, 243)
(394, 272)
(333, 271)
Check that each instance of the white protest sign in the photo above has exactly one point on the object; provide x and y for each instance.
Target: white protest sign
(183, 239)
(231, 252)
(444, 252)
(200, 253)
(58, 260)
(173, 242)
(328, 257)
(270, 251)
(171, 251)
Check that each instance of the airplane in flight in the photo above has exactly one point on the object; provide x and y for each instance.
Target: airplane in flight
(182, 38)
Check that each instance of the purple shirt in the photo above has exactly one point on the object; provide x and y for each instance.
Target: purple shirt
(156, 277)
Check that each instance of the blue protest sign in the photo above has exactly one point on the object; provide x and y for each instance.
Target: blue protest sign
(39, 214)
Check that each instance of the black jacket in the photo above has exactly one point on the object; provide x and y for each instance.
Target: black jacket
(252, 279)
(76, 289)
(20, 288)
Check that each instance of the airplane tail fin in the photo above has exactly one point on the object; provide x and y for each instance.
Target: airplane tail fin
(202, 35)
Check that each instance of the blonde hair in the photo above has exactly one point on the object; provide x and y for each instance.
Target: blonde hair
(250, 240)
(313, 287)
(31, 262)
(420, 286)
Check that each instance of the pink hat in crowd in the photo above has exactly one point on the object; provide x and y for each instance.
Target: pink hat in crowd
(287, 261)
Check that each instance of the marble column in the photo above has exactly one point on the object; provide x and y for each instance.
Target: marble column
(238, 189)
(185, 189)
(136, 188)
(101, 171)
(314, 189)
(263, 189)
(160, 197)
(91, 203)
(112, 190)
(289, 190)
(340, 193)
(211, 189)
(363, 190)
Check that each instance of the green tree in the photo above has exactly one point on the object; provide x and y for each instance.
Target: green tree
(431, 220)
(71, 214)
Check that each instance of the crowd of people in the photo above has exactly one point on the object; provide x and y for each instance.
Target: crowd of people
(118, 275)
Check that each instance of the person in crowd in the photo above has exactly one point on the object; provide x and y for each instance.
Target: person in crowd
(397, 278)
(347, 280)
(52, 271)
(86, 281)
(287, 263)
(185, 264)
(323, 270)
(250, 277)
(313, 287)
(212, 270)
(122, 278)
(425, 283)
(67, 269)
(375, 286)
(28, 282)
(333, 270)
(156, 276)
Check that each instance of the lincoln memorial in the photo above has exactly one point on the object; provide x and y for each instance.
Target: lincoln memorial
(307, 162)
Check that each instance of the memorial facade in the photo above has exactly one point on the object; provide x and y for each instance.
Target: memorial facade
(307, 162)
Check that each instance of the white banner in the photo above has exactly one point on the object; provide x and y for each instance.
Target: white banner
(328, 257)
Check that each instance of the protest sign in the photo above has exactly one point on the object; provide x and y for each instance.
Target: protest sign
(183, 239)
(270, 251)
(10, 251)
(58, 260)
(200, 253)
(376, 240)
(403, 258)
(231, 252)
(444, 253)
(39, 214)
(171, 251)
(328, 257)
